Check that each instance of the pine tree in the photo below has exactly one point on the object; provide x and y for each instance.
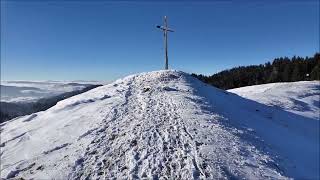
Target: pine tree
(315, 73)
(280, 70)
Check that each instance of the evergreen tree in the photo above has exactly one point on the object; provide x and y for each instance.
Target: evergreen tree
(315, 73)
(280, 70)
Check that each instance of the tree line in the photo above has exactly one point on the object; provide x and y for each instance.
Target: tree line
(281, 69)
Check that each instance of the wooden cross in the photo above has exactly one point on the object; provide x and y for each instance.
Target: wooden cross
(165, 30)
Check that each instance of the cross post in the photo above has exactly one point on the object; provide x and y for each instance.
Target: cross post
(165, 30)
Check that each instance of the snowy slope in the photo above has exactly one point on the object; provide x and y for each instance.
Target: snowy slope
(156, 125)
(302, 98)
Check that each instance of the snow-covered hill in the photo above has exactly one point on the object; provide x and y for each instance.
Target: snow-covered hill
(302, 98)
(156, 125)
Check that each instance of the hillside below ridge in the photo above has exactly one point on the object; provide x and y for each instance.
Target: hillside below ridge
(160, 124)
(301, 97)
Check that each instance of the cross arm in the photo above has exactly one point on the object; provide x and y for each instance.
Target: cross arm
(165, 28)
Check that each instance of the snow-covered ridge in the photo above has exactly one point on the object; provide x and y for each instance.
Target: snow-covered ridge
(302, 98)
(156, 125)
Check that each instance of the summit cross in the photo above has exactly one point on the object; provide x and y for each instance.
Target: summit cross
(165, 30)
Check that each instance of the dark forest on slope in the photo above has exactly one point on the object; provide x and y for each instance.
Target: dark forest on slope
(282, 69)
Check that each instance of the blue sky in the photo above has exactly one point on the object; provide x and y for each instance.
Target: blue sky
(105, 40)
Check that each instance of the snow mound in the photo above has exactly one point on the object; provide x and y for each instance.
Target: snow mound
(162, 124)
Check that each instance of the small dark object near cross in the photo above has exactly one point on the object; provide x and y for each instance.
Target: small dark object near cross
(146, 89)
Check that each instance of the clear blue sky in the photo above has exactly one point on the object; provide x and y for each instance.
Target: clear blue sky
(95, 40)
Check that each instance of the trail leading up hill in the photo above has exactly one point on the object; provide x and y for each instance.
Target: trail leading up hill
(163, 124)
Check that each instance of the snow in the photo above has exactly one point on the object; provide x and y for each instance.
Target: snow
(29, 91)
(302, 98)
(155, 125)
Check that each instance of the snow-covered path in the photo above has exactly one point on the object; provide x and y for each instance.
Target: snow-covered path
(153, 125)
(158, 133)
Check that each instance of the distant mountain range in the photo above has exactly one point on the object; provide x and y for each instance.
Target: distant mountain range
(20, 98)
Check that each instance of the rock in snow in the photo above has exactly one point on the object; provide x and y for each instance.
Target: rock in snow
(157, 125)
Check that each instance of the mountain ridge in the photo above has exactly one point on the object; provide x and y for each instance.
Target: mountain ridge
(161, 124)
